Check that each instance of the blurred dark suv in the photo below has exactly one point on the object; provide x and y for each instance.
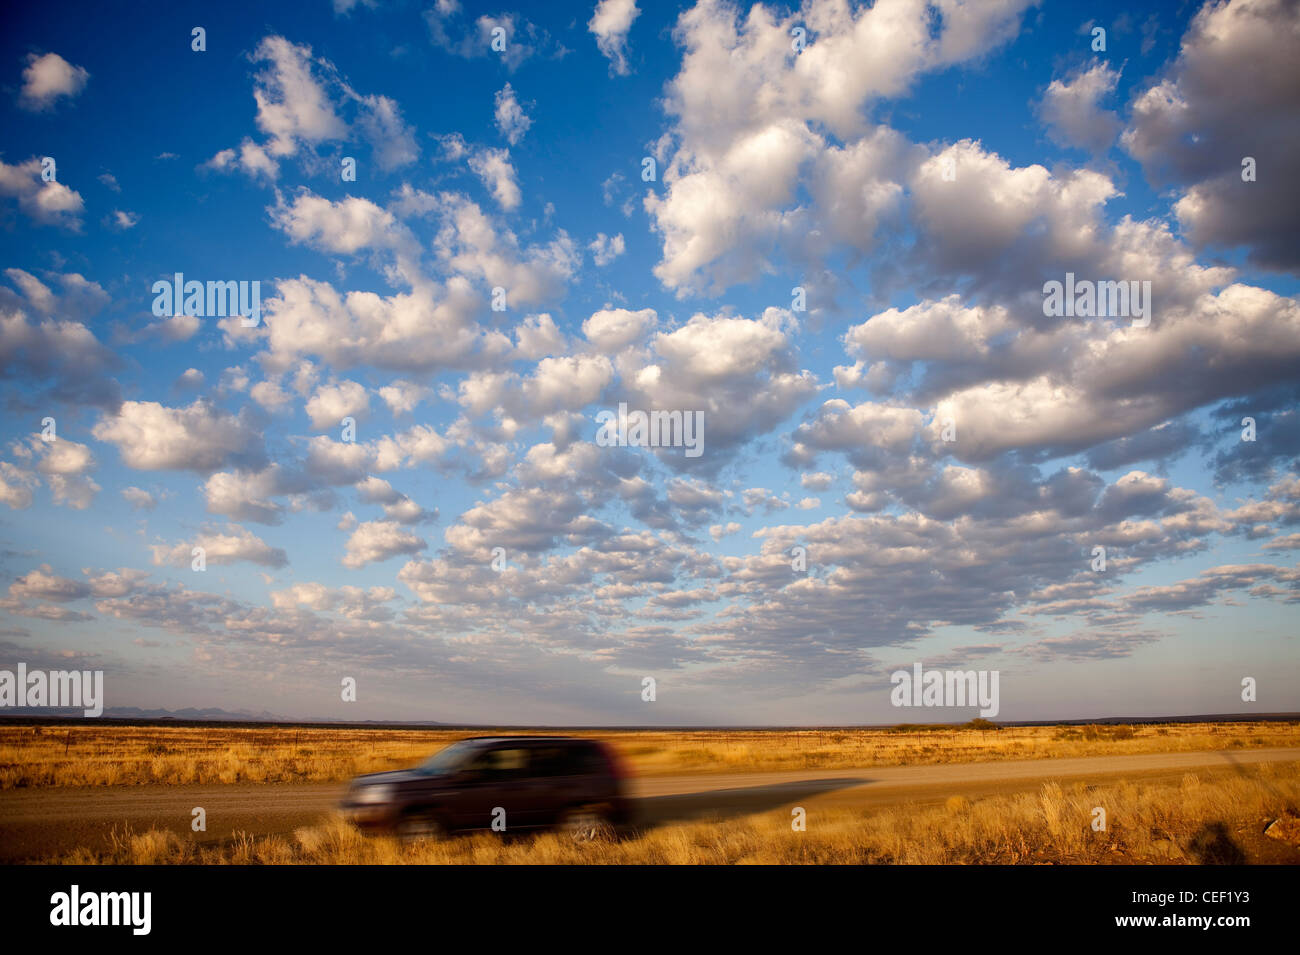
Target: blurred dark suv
(539, 781)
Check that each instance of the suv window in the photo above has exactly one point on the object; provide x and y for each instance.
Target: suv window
(573, 759)
(502, 764)
(556, 761)
(589, 759)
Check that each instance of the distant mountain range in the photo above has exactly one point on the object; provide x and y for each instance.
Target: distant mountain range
(216, 715)
(189, 714)
(135, 713)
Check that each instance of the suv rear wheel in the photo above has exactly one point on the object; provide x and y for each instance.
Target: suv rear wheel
(587, 824)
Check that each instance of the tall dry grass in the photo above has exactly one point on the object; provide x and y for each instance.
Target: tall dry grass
(1188, 822)
(102, 755)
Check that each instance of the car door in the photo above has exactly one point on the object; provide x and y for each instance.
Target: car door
(587, 772)
(553, 782)
(530, 789)
(495, 779)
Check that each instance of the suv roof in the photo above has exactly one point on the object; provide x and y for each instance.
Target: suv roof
(519, 739)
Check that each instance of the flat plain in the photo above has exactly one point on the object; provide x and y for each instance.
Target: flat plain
(1177, 792)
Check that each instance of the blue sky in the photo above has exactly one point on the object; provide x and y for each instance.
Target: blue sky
(475, 429)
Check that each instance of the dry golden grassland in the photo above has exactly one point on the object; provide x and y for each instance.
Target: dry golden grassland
(86, 754)
(1197, 820)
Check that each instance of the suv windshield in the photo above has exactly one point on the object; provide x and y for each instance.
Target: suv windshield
(450, 759)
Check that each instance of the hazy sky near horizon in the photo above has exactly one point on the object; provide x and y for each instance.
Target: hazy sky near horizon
(838, 265)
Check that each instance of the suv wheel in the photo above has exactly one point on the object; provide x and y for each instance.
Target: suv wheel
(586, 824)
(415, 826)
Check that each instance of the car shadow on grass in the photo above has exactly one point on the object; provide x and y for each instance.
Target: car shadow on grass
(651, 812)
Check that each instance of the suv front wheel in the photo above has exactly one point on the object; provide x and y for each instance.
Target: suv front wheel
(417, 825)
